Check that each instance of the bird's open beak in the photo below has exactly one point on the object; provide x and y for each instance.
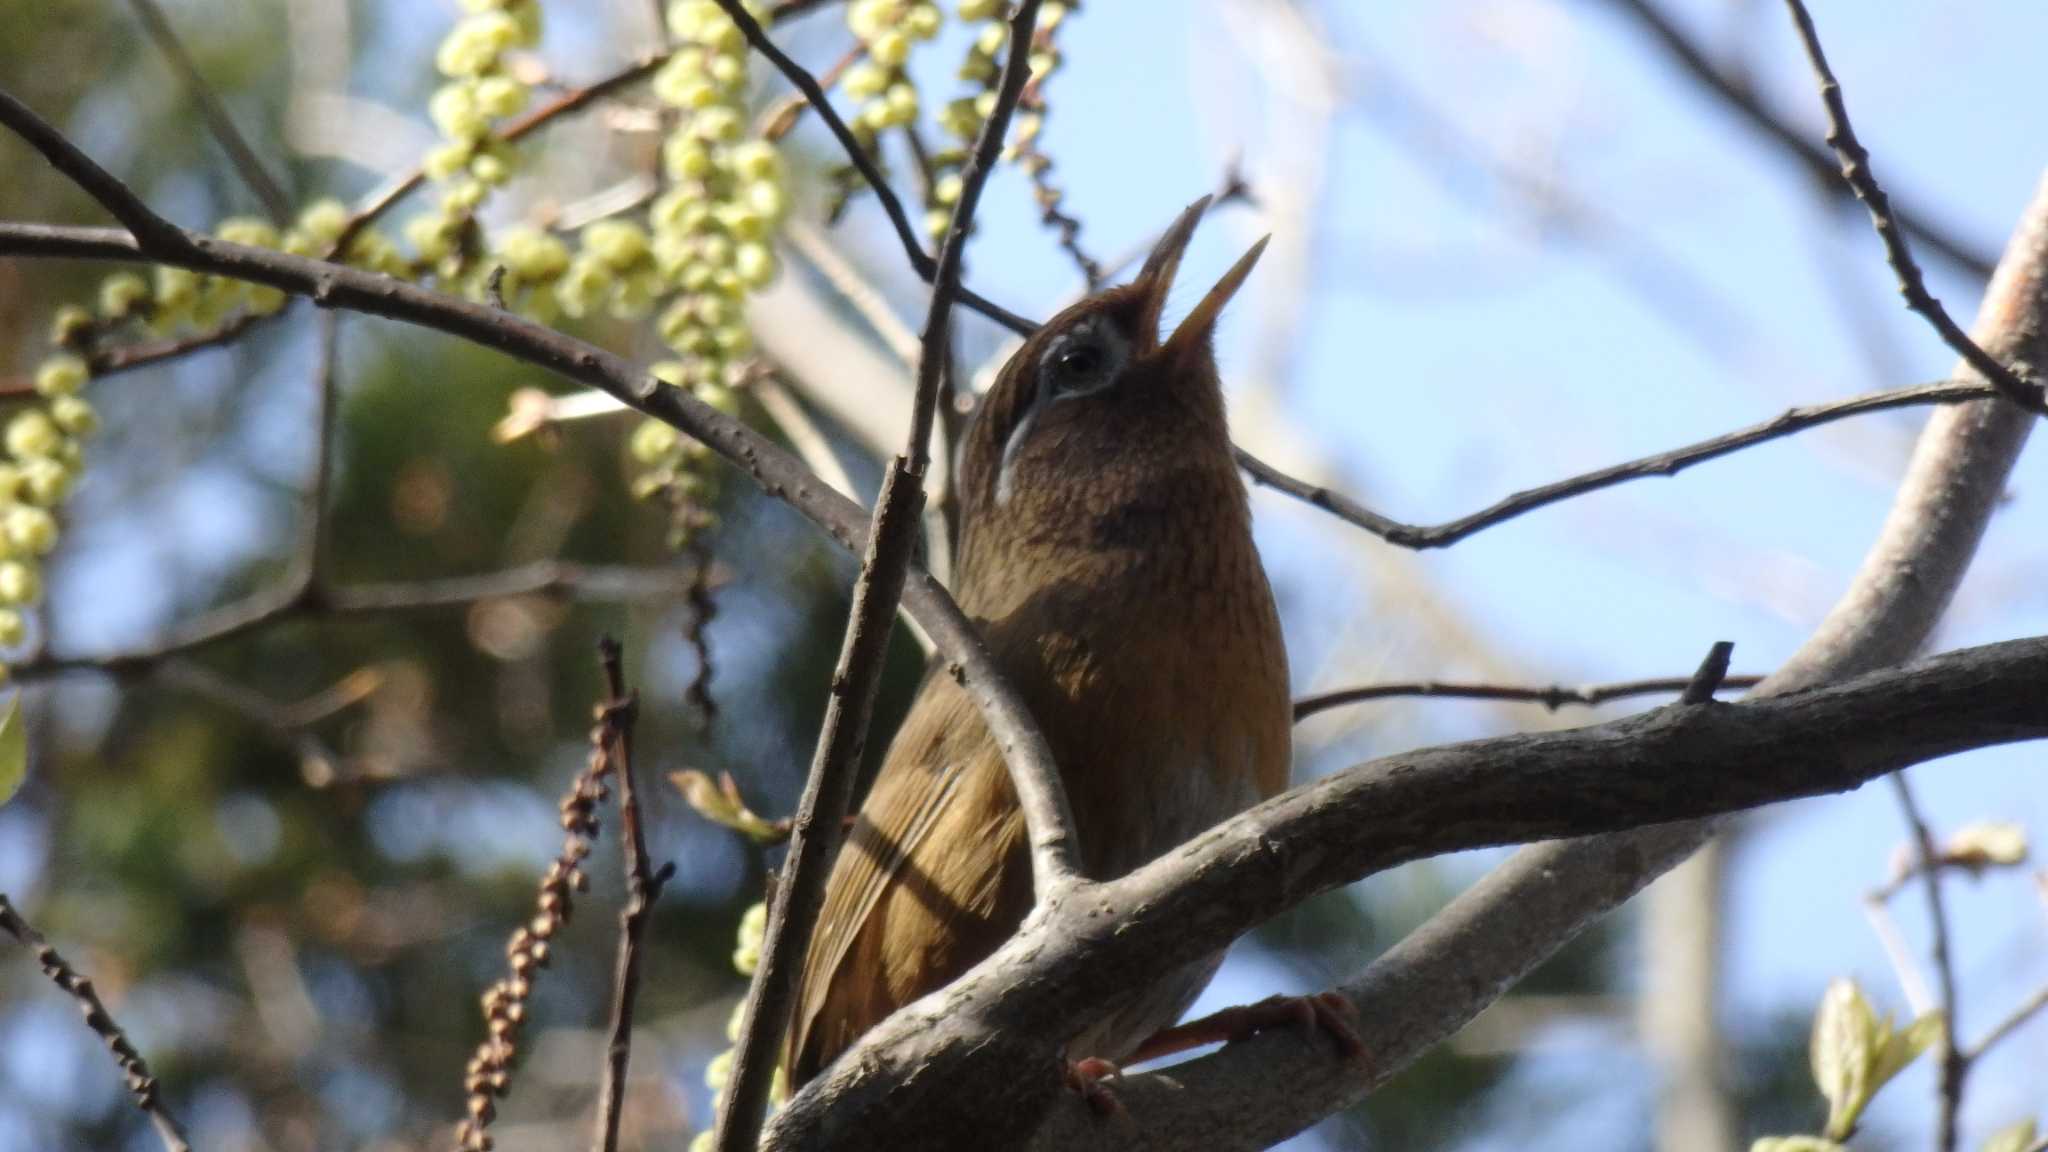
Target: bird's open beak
(1157, 280)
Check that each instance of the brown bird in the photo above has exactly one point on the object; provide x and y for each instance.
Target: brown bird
(1106, 552)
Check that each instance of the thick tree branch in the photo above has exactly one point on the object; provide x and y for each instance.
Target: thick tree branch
(925, 1077)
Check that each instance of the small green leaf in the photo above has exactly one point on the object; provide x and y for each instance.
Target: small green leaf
(1904, 1046)
(13, 750)
(2016, 1138)
(1847, 1037)
(1795, 1144)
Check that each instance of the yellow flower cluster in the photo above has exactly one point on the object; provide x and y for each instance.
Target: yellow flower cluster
(886, 30)
(479, 91)
(706, 248)
(44, 453)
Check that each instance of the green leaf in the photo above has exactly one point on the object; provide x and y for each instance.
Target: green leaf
(13, 750)
(2016, 1138)
(1847, 1037)
(1904, 1046)
(1795, 1144)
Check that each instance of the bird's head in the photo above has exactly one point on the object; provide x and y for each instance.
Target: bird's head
(1101, 405)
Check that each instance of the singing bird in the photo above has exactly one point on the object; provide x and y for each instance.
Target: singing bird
(1106, 553)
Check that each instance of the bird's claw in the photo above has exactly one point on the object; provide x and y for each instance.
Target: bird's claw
(1091, 1076)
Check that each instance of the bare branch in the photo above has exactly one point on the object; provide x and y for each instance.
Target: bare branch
(263, 609)
(117, 198)
(1786, 423)
(141, 1084)
(255, 176)
(2031, 1007)
(1743, 100)
(1950, 1066)
(615, 718)
(1856, 170)
(1551, 696)
(572, 101)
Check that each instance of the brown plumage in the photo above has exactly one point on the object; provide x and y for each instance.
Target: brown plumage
(1106, 551)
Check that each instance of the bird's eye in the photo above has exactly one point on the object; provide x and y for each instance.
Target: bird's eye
(1078, 362)
(1086, 360)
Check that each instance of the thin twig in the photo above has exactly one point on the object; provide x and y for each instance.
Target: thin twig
(1711, 675)
(1421, 536)
(255, 176)
(1856, 170)
(803, 433)
(643, 887)
(1553, 696)
(852, 287)
(1045, 191)
(921, 261)
(574, 100)
(263, 609)
(1877, 909)
(1950, 1067)
(121, 202)
(892, 539)
(286, 722)
(1740, 97)
(2029, 1008)
(315, 520)
(141, 1084)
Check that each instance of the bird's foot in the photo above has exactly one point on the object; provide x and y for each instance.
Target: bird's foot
(1091, 1077)
(1326, 1012)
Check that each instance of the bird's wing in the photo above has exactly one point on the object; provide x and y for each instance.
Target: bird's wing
(934, 752)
